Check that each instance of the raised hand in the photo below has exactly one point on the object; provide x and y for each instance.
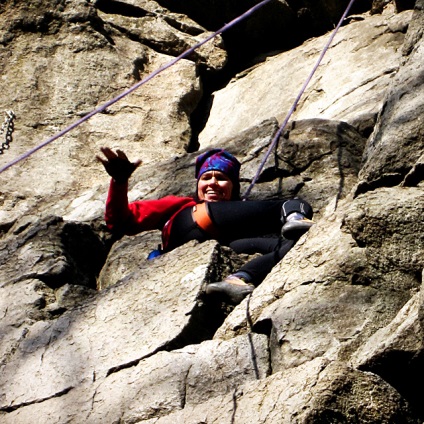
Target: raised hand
(117, 164)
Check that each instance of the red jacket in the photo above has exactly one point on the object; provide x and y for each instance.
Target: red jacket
(142, 215)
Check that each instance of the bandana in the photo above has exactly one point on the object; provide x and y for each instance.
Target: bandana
(218, 160)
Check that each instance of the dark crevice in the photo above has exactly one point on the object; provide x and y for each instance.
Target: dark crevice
(233, 414)
(388, 180)
(275, 27)
(98, 25)
(253, 355)
(402, 5)
(273, 173)
(5, 227)
(207, 315)
(121, 8)
(158, 47)
(263, 326)
(85, 252)
(130, 364)
(209, 312)
(205, 319)
(402, 370)
(200, 115)
(12, 408)
(182, 27)
(415, 176)
(298, 170)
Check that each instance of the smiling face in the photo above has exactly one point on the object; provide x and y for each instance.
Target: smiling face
(214, 186)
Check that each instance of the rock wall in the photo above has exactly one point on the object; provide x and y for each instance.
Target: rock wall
(91, 331)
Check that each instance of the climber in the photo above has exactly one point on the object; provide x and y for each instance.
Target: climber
(270, 228)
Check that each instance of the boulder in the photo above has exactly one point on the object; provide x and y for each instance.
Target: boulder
(92, 331)
(75, 346)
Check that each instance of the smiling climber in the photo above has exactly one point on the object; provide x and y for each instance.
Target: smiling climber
(269, 227)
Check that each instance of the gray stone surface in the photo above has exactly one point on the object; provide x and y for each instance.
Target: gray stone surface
(148, 309)
(355, 96)
(397, 142)
(91, 331)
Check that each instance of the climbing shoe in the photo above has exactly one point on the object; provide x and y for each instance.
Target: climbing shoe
(295, 228)
(232, 289)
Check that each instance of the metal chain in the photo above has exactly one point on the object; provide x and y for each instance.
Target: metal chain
(7, 129)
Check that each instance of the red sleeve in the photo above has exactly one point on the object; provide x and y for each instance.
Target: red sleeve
(141, 215)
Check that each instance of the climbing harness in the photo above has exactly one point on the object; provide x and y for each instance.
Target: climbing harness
(295, 103)
(103, 107)
(7, 129)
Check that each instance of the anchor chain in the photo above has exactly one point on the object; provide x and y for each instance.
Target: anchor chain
(7, 129)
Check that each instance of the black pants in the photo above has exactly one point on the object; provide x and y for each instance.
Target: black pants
(246, 227)
(273, 249)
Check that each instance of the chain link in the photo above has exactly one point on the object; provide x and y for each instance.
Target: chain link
(7, 129)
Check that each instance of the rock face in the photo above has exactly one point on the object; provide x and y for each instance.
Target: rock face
(92, 331)
(356, 98)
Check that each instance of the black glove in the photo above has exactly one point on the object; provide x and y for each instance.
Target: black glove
(118, 165)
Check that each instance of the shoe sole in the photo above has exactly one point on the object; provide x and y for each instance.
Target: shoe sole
(232, 292)
(295, 229)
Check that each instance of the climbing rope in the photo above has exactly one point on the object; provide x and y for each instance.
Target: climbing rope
(295, 103)
(137, 85)
(7, 129)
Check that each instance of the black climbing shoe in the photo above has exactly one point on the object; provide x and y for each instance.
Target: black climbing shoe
(233, 289)
(295, 228)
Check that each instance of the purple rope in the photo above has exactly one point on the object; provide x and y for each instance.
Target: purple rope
(293, 108)
(135, 86)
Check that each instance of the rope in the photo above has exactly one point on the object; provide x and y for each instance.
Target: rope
(136, 86)
(293, 108)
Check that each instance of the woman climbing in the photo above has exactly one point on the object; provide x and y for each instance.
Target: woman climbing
(214, 212)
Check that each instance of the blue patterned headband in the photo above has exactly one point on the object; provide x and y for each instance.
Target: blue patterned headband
(218, 160)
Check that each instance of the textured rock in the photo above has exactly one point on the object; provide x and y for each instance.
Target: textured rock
(356, 96)
(397, 142)
(157, 385)
(91, 331)
(149, 309)
(53, 251)
(126, 256)
(384, 220)
(301, 395)
(277, 26)
(168, 33)
(65, 64)
(399, 343)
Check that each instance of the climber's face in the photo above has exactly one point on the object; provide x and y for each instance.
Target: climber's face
(214, 186)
